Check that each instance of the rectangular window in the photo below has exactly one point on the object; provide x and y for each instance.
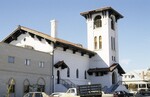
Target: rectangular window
(148, 86)
(113, 45)
(11, 59)
(115, 59)
(27, 62)
(142, 85)
(41, 64)
(112, 58)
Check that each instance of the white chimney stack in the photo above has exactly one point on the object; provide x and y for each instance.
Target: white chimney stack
(53, 28)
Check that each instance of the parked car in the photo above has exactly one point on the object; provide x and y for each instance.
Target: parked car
(56, 94)
(122, 94)
(36, 94)
(143, 93)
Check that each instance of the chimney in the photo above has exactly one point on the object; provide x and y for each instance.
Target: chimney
(53, 28)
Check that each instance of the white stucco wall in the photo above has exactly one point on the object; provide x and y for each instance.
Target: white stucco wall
(26, 40)
(103, 80)
(74, 62)
(106, 32)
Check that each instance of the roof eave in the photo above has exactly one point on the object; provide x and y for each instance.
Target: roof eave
(18, 28)
(100, 10)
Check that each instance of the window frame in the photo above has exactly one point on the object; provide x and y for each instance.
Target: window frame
(77, 73)
(112, 23)
(97, 22)
(41, 64)
(11, 59)
(95, 42)
(100, 42)
(68, 72)
(142, 85)
(27, 62)
(85, 74)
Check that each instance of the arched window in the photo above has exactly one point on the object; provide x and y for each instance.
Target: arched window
(85, 75)
(95, 42)
(41, 85)
(58, 76)
(112, 24)
(100, 42)
(11, 85)
(68, 72)
(97, 22)
(26, 86)
(77, 73)
(114, 78)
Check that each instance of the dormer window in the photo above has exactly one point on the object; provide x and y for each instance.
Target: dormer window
(97, 22)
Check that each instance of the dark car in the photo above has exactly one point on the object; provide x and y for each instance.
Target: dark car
(122, 94)
(143, 93)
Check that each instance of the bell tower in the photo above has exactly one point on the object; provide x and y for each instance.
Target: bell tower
(102, 33)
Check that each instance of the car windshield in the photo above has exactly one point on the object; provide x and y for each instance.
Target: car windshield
(29, 95)
(38, 95)
(34, 95)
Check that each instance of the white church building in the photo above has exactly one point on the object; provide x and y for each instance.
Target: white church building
(72, 64)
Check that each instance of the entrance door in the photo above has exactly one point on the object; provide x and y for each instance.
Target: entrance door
(58, 76)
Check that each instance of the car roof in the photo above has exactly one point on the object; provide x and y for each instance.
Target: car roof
(36, 92)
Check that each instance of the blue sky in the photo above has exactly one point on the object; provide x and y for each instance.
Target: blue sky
(134, 28)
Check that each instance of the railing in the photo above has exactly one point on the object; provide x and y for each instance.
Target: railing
(113, 87)
(67, 83)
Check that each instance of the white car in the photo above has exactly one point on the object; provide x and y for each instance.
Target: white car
(56, 94)
(36, 94)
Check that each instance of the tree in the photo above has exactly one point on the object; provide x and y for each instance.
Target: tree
(132, 87)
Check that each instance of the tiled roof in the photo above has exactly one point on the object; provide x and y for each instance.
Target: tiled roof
(58, 42)
(108, 69)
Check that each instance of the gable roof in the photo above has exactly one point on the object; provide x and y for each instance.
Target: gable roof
(61, 64)
(108, 69)
(21, 30)
(57, 42)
